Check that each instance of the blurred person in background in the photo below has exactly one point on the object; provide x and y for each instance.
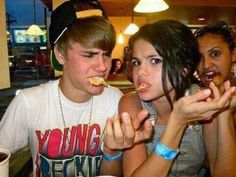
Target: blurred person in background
(116, 66)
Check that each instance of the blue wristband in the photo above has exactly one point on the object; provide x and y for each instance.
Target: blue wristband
(165, 152)
(112, 157)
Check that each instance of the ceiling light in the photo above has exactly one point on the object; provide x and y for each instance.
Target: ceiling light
(120, 38)
(201, 19)
(34, 29)
(149, 6)
(8, 35)
(131, 29)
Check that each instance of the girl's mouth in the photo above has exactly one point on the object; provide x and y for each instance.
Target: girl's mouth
(141, 86)
(211, 76)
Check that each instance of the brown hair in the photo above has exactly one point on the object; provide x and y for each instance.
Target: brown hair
(90, 32)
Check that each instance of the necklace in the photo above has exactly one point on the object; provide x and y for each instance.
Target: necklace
(63, 117)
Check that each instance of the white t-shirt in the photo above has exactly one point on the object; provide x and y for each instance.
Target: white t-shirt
(35, 117)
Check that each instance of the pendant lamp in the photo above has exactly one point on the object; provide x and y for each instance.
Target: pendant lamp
(120, 38)
(149, 6)
(132, 27)
(34, 30)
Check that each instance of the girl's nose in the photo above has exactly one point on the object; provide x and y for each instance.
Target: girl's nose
(206, 62)
(142, 70)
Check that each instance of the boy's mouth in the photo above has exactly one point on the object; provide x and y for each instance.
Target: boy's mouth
(97, 81)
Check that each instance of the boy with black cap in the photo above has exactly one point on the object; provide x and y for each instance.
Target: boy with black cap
(63, 121)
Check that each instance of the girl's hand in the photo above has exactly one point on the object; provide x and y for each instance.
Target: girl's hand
(123, 132)
(232, 105)
(201, 105)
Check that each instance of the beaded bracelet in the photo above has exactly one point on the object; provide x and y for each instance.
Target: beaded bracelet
(116, 156)
(165, 152)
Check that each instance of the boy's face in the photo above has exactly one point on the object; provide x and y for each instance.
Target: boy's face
(81, 63)
(216, 58)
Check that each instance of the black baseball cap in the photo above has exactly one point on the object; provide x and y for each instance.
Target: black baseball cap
(64, 15)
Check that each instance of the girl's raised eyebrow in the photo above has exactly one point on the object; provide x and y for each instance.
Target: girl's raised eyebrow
(212, 49)
(154, 55)
(134, 58)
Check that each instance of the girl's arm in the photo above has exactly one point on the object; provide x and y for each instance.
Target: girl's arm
(189, 108)
(220, 142)
(130, 134)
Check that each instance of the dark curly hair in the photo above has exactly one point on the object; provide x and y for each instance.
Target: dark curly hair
(176, 44)
(220, 28)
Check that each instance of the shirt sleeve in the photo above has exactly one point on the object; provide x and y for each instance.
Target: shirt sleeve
(13, 126)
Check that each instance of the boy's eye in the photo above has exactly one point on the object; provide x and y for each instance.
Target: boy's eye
(156, 60)
(215, 53)
(88, 56)
(95, 54)
(135, 62)
(107, 54)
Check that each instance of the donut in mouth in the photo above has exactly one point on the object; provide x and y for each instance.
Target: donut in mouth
(208, 77)
(218, 80)
(97, 81)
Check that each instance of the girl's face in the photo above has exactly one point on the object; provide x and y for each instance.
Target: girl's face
(147, 69)
(118, 65)
(216, 57)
